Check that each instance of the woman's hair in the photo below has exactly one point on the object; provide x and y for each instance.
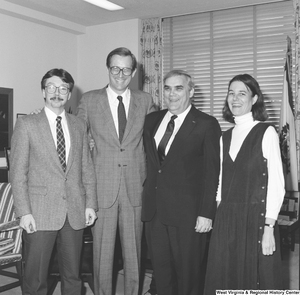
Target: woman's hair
(258, 109)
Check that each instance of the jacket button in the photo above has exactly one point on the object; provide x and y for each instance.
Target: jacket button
(159, 171)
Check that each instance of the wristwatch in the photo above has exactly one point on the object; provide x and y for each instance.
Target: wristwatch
(270, 225)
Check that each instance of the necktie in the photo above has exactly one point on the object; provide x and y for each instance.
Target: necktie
(121, 118)
(165, 139)
(61, 149)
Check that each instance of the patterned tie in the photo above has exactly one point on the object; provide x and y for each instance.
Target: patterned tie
(121, 118)
(165, 139)
(61, 149)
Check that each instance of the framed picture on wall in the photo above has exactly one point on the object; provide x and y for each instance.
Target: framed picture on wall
(6, 118)
(7, 154)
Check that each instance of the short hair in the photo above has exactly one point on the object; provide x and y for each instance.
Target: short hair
(258, 109)
(62, 74)
(122, 51)
(174, 73)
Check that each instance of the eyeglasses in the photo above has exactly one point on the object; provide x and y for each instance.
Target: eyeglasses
(61, 89)
(117, 70)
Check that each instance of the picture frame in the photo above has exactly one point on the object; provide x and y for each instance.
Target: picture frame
(7, 154)
(20, 115)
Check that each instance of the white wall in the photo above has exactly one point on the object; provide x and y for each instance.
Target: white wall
(95, 45)
(27, 52)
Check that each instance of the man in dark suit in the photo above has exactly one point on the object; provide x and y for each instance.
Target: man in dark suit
(115, 116)
(54, 186)
(179, 193)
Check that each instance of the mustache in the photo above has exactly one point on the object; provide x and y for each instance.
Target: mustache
(58, 98)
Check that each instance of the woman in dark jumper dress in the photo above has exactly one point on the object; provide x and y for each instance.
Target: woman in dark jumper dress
(244, 248)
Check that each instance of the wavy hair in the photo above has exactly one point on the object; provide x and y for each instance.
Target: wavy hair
(258, 109)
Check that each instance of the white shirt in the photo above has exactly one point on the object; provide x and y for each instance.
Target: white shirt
(271, 151)
(163, 126)
(51, 116)
(114, 103)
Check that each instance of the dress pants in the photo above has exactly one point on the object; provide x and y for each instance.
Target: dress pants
(177, 257)
(38, 248)
(128, 218)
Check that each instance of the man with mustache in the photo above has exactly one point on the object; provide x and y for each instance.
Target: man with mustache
(54, 186)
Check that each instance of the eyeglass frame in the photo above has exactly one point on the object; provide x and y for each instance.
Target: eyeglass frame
(120, 70)
(57, 87)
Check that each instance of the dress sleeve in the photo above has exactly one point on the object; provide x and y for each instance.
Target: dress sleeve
(276, 191)
(218, 198)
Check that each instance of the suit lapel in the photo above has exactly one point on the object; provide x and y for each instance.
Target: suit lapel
(73, 140)
(132, 113)
(46, 137)
(153, 132)
(186, 128)
(105, 112)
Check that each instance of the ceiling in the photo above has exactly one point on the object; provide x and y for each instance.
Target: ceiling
(81, 14)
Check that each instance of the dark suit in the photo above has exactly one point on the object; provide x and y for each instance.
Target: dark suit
(175, 194)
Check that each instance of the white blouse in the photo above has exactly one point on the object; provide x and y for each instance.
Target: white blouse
(271, 151)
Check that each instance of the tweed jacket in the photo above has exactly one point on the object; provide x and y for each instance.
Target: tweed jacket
(114, 160)
(40, 186)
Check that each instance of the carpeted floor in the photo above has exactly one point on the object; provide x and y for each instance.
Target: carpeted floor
(290, 266)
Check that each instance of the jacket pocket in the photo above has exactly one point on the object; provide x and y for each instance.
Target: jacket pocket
(37, 190)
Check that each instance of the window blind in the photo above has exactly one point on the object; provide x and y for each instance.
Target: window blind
(215, 46)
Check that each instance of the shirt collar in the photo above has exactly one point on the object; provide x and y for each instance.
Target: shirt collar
(112, 94)
(181, 116)
(52, 116)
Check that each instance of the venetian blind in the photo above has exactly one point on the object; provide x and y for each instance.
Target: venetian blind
(215, 46)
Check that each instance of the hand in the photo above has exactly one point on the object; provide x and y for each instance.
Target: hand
(90, 216)
(36, 111)
(268, 241)
(27, 222)
(91, 143)
(203, 224)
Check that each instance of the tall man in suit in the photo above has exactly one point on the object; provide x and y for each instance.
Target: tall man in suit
(182, 148)
(54, 186)
(115, 115)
